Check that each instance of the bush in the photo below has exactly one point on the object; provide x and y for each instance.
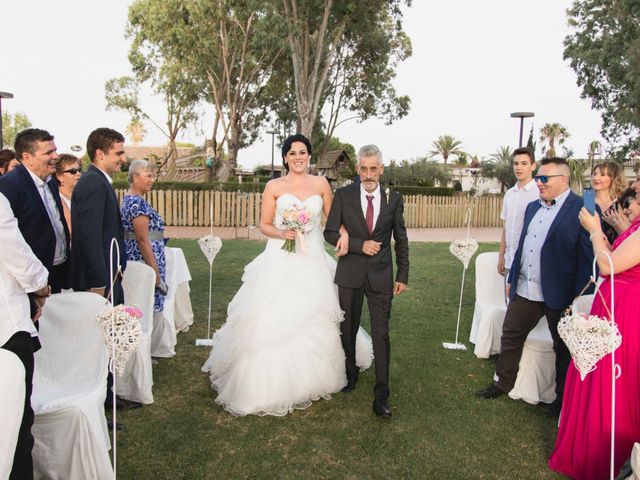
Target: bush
(431, 191)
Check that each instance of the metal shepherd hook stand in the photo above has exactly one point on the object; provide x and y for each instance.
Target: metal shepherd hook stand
(112, 367)
(464, 251)
(210, 247)
(615, 369)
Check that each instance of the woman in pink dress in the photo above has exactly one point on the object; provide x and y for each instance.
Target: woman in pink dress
(582, 449)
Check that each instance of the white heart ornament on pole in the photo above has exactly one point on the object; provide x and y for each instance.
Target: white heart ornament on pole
(464, 250)
(210, 246)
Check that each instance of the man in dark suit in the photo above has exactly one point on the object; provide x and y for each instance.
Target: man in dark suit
(371, 218)
(550, 268)
(35, 202)
(95, 216)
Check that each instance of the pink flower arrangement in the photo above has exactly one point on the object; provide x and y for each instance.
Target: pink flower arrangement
(298, 219)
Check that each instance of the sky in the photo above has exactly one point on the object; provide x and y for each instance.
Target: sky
(473, 64)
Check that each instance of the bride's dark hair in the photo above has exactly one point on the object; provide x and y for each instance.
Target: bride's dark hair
(286, 146)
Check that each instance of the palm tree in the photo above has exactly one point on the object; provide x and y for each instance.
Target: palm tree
(500, 167)
(577, 168)
(595, 148)
(503, 155)
(460, 164)
(445, 146)
(552, 134)
(136, 131)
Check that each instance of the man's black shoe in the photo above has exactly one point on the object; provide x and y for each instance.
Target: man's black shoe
(381, 408)
(555, 407)
(490, 392)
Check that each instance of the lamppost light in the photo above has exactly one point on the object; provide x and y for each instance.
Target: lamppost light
(521, 116)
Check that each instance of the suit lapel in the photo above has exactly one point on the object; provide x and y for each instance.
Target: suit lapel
(33, 191)
(566, 206)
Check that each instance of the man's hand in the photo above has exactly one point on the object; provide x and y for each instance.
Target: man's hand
(342, 247)
(371, 247)
(399, 287)
(501, 269)
(98, 290)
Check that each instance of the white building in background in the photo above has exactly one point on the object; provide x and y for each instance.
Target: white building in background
(470, 178)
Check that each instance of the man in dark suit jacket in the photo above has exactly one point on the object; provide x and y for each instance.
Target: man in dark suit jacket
(95, 216)
(371, 218)
(550, 268)
(35, 201)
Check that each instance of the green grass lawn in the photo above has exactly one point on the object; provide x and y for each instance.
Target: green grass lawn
(439, 429)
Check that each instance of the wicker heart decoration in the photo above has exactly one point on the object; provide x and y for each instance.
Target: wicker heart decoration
(121, 331)
(588, 338)
(463, 250)
(210, 246)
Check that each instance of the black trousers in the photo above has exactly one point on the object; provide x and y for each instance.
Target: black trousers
(522, 316)
(351, 301)
(23, 346)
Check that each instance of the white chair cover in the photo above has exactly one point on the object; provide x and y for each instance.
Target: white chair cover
(583, 304)
(490, 306)
(69, 389)
(136, 381)
(163, 338)
(11, 407)
(536, 380)
(178, 278)
(635, 462)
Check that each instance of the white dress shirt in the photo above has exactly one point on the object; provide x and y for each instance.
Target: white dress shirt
(530, 277)
(20, 273)
(376, 202)
(514, 205)
(54, 217)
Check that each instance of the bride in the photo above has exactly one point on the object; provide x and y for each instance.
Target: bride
(280, 347)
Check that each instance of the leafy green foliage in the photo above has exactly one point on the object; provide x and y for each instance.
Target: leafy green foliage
(420, 172)
(11, 126)
(445, 146)
(500, 167)
(604, 51)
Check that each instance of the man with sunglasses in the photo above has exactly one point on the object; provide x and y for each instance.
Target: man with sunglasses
(550, 268)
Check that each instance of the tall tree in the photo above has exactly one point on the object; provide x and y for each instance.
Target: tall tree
(553, 135)
(11, 126)
(226, 47)
(604, 51)
(344, 55)
(136, 131)
(445, 146)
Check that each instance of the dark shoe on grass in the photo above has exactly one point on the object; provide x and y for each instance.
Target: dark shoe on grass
(490, 392)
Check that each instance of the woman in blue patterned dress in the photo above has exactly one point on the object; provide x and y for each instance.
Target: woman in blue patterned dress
(143, 227)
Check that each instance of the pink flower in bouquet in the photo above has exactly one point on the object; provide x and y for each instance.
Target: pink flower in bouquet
(298, 219)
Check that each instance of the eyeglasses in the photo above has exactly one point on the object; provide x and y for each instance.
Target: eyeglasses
(73, 171)
(545, 178)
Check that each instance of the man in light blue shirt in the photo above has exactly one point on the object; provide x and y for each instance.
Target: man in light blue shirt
(550, 268)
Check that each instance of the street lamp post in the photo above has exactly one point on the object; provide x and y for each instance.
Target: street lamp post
(3, 95)
(521, 116)
(273, 134)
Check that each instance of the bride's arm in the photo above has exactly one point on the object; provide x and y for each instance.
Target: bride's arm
(342, 246)
(268, 213)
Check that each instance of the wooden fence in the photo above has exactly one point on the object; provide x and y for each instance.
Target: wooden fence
(231, 209)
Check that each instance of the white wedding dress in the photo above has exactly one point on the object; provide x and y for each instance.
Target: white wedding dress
(280, 347)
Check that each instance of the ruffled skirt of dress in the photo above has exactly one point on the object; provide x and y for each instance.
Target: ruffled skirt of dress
(280, 347)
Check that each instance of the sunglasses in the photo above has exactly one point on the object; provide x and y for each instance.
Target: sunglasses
(73, 171)
(545, 178)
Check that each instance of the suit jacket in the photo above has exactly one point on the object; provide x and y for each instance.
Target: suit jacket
(33, 220)
(95, 216)
(566, 258)
(355, 266)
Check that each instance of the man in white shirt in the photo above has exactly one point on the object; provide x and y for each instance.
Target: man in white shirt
(21, 273)
(514, 205)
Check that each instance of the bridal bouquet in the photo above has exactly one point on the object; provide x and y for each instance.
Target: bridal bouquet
(122, 332)
(298, 219)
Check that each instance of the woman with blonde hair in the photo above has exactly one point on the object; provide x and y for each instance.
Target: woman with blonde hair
(608, 183)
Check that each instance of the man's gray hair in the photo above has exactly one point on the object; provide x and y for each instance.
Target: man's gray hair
(370, 151)
(139, 165)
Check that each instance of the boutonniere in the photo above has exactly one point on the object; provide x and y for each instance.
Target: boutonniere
(387, 192)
